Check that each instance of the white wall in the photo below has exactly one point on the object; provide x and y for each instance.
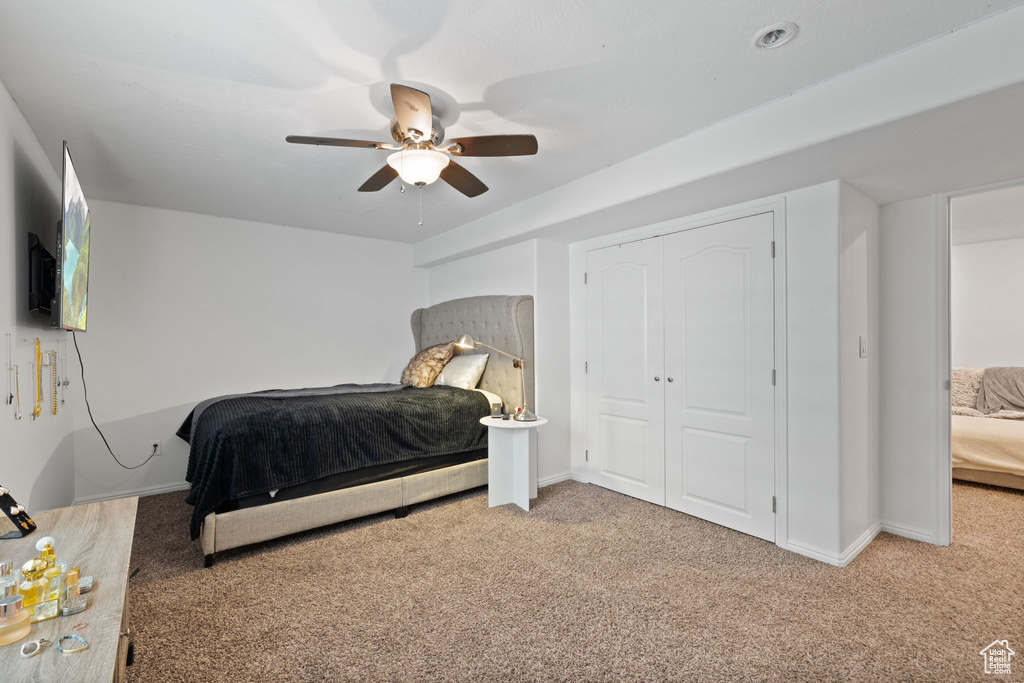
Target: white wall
(986, 325)
(185, 307)
(539, 268)
(812, 310)
(509, 270)
(36, 456)
(858, 376)
(914, 405)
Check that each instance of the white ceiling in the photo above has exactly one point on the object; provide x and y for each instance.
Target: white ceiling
(988, 216)
(185, 105)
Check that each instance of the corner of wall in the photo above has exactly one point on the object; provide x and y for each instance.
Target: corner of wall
(813, 374)
(858, 314)
(38, 453)
(912, 351)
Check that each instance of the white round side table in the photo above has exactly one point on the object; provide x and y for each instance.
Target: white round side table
(509, 479)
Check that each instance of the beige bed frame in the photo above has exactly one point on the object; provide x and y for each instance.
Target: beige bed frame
(505, 322)
(1004, 479)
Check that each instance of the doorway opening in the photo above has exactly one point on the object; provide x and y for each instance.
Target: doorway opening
(986, 337)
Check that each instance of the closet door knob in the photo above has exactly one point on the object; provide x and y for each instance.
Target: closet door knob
(669, 379)
(657, 379)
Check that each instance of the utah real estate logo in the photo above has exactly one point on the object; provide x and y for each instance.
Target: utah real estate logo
(997, 657)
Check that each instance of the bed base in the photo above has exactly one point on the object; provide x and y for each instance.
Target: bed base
(1004, 479)
(257, 524)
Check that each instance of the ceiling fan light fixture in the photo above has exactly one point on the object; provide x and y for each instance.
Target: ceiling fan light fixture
(418, 166)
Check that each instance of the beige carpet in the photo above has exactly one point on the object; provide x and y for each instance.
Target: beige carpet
(589, 585)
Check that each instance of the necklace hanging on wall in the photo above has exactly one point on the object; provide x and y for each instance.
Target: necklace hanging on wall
(62, 345)
(53, 380)
(17, 392)
(10, 372)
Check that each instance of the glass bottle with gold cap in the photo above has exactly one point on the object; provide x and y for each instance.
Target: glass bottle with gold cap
(36, 591)
(56, 571)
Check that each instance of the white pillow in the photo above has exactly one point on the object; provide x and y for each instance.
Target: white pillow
(463, 371)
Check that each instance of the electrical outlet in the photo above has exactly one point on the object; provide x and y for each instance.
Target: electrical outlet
(154, 448)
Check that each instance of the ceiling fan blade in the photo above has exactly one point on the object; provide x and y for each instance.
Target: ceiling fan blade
(412, 109)
(462, 180)
(337, 142)
(379, 180)
(495, 146)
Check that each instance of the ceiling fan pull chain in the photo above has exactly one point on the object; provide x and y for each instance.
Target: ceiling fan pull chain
(421, 205)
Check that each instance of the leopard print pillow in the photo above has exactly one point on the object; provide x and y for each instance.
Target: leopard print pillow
(426, 365)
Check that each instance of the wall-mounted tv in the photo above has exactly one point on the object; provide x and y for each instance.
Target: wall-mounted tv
(42, 276)
(71, 304)
(59, 285)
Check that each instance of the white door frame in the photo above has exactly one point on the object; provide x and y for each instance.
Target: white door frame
(944, 454)
(577, 338)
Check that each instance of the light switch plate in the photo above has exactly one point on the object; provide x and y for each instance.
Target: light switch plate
(863, 346)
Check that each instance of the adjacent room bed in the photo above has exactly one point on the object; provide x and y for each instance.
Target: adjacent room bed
(273, 463)
(988, 426)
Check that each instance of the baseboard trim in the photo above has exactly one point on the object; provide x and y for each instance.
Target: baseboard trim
(146, 491)
(911, 532)
(813, 552)
(862, 542)
(556, 479)
(835, 559)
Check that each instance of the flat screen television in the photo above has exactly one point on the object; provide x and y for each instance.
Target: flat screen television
(70, 306)
(59, 284)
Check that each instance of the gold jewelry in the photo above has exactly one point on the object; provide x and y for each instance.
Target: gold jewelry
(53, 376)
(37, 411)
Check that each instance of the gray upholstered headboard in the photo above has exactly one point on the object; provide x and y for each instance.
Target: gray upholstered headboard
(504, 322)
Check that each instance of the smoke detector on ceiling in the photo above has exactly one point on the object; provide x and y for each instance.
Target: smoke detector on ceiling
(775, 35)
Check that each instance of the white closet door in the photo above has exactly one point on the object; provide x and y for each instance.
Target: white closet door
(625, 353)
(719, 395)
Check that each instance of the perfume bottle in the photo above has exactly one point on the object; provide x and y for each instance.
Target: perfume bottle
(35, 589)
(71, 588)
(14, 619)
(8, 580)
(55, 579)
(46, 553)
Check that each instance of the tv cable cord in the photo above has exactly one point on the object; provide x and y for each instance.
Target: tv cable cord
(85, 390)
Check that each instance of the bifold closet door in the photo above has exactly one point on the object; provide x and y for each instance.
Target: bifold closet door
(625, 353)
(719, 390)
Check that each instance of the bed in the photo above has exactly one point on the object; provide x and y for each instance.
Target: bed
(270, 485)
(988, 447)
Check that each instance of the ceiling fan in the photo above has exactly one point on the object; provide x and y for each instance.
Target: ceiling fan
(420, 157)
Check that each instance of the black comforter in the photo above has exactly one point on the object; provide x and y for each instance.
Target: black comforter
(253, 443)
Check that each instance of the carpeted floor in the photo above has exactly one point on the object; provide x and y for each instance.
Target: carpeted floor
(589, 585)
